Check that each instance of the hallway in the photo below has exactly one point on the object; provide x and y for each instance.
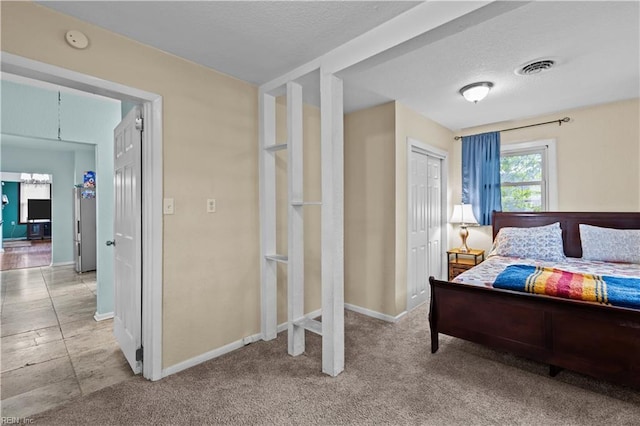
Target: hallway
(52, 348)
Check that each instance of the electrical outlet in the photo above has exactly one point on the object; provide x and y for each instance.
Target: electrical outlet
(211, 205)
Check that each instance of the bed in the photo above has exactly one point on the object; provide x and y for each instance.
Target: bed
(590, 338)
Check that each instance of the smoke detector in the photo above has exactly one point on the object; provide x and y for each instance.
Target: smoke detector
(76, 39)
(535, 67)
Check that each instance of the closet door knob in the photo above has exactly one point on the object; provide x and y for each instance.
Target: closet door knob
(111, 243)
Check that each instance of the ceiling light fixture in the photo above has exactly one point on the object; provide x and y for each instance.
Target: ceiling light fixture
(475, 92)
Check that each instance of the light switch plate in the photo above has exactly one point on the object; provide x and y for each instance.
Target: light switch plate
(211, 205)
(167, 206)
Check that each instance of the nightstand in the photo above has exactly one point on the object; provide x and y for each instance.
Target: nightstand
(459, 261)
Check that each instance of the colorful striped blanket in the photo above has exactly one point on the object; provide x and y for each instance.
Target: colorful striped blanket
(607, 290)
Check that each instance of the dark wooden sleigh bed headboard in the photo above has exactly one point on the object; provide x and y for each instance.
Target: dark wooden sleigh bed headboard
(569, 222)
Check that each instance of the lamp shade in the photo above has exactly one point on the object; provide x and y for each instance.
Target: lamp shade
(463, 213)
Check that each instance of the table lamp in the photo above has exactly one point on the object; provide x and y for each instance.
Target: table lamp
(463, 214)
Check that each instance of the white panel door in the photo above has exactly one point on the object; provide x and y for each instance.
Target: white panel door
(424, 225)
(127, 243)
(434, 217)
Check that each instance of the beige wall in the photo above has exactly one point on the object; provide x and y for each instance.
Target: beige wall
(312, 192)
(369, 208)
(598, 159)
(410, 124)
(211, 286)
(376, 202)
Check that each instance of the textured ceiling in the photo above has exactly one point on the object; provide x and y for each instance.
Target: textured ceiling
(596, 46)
(255, 41)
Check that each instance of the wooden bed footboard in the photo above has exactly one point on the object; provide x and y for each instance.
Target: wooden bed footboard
(600, 341)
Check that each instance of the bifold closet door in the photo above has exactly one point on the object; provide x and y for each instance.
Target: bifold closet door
(424, 225)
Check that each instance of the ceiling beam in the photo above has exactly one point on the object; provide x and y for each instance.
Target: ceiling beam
(452, 27)
(406, 26)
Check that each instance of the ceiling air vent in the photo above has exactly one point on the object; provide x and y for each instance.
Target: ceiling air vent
(535, 67)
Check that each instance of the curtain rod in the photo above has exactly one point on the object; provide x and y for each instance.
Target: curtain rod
(560, 121)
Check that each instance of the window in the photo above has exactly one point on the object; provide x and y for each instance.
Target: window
(40, 191)
(527, 176)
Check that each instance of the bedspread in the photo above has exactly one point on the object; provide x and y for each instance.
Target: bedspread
(603, 289)
(485, 273)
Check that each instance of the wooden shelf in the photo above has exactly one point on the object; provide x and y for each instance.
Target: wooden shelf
(274, 148)
(277, 258)
(298, 203)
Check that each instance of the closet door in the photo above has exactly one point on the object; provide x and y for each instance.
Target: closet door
(434, 216)
(424, 227)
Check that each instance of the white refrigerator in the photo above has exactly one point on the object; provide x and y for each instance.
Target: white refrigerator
(84, 222)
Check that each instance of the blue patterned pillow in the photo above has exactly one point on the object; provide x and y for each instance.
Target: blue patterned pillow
(537, 242)
(610, 245)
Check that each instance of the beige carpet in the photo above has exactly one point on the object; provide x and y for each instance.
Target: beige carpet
(390, 378)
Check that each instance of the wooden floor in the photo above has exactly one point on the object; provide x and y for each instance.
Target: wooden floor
(37, 254)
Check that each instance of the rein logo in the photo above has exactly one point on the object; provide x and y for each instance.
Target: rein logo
(15, 420)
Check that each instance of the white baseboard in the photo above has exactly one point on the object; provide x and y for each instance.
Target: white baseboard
(192, 362)
(63, 263)
(374, 314)
(102, 317)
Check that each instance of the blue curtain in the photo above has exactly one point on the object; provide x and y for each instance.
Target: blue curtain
(481, 174)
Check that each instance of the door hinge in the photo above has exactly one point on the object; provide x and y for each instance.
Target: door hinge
(139, 354)
(139, 124)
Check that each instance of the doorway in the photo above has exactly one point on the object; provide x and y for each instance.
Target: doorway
(26, 237)
(151, 232)
(426, 204)
(48, 308)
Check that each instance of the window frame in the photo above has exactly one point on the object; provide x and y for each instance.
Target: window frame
(20, 206)
(549, 182)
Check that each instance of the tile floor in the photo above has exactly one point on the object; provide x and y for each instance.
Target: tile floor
(52, 348)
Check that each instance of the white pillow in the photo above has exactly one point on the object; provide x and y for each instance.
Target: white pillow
(537, 242)
(610, 245)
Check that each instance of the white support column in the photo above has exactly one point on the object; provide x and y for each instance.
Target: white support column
(295, 267)
(332, 223)
(268, 269)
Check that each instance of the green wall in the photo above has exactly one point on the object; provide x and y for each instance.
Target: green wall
(29, 111)
(55, 117)
(10, 212)
(60, 165)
